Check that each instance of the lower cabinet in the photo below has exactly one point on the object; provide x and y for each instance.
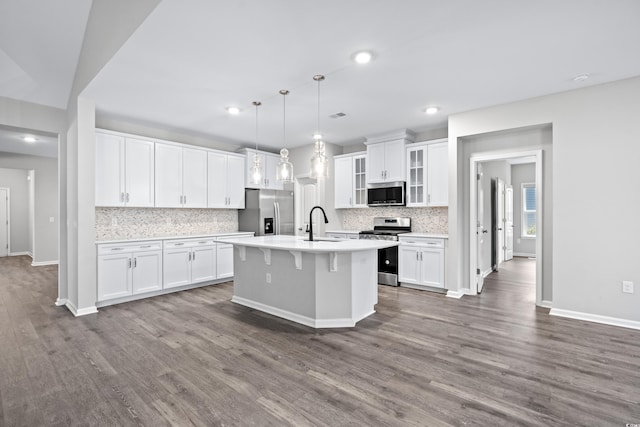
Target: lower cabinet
(421, 262)
(129, 269)
(189, 261)
(346, 235)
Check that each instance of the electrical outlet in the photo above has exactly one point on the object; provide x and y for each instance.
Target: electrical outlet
(114, 222)
(268, 277)
(627, 287)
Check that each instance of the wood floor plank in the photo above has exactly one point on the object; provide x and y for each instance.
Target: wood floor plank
(195, 358)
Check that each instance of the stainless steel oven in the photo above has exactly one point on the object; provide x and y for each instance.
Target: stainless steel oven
(385, 228)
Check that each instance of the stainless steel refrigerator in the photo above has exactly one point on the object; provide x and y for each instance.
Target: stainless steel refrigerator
(267, 212)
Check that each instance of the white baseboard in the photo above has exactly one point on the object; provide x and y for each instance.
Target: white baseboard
(82, 312)
(41, 263)
(545, 303)
(60, 302)
(18, 253)
(487, 272)
(523, 254)
(298, 318)
(456, 294)
(596, 318)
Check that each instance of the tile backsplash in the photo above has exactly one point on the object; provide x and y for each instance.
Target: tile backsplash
(135, 223)
(423, 220)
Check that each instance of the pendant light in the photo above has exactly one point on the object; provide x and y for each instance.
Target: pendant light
(256, 170)
(285, 168)
(319, 163)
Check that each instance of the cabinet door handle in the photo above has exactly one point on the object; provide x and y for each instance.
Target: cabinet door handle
(129, 262)
(193, 256)
(122, 197)
(135, 262)
(185, 199)
(127, 198)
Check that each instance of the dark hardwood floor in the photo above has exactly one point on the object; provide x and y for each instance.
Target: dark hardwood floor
(195, 358)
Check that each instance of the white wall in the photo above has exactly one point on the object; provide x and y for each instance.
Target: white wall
(596, 149)
(16, 181)
(521, 174)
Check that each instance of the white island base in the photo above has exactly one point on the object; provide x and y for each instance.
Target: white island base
(318, 289)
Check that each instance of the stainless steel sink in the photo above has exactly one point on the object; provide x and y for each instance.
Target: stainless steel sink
(323, 239)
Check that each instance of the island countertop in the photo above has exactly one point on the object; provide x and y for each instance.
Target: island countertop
(320, 244)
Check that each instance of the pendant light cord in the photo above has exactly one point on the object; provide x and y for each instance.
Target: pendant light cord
(257, 104)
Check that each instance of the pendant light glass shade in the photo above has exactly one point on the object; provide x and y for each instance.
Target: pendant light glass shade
(319, 162)
(284, 172)
(285, 168)
(256, 169)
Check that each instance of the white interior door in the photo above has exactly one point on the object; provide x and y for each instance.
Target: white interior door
(306, 197)
(480, 228)
(508, 223)
(500, 222)
(4, 222)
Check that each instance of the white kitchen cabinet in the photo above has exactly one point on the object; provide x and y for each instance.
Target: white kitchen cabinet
(124, 171)
(181, 177)
(224, 260)
(343, 235)
(350, 181)
(226, 175)
(129, 269)
(269, 162)
(427, 174)
(421, 262)
(386, 160)
(188, 261)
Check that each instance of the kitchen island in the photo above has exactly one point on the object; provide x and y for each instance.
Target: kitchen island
(326, 283)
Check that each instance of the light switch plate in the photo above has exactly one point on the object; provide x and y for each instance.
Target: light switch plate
(627, 287)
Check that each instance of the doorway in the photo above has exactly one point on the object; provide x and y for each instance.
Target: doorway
(4, 222)
(501, 230)
(306, 197)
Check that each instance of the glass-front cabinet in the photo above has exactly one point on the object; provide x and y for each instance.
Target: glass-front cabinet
(350, 180)
(427, 173)
(416, 184)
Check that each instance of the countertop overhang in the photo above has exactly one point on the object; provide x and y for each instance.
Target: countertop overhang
(294, 243)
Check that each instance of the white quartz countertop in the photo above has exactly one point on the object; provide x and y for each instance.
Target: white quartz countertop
(430, 235)
(174, 237)
(320, 244)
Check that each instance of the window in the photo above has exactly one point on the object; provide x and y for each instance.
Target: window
(528, 210)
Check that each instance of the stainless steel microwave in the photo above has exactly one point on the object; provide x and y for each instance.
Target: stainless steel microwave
(386, 194)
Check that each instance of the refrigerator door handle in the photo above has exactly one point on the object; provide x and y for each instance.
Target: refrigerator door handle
(276, 208)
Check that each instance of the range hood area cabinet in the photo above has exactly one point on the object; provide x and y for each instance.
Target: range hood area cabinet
(428, 174)
(386, 156)
(124, 171)
(269, 162)
(350, 180)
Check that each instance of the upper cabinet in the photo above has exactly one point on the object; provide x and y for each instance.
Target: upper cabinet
(386, 157)
(427, 173)
(225, 180)
(350, 180)
(181, 177)
(124, 170)
(269, 163)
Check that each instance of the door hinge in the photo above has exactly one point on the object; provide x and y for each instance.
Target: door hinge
(477, 271)
(478, 176)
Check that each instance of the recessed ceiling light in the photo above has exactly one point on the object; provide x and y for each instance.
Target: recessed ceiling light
(363, 57)
(580, 78)
(233, 110)
(432, 110)
(29, 139)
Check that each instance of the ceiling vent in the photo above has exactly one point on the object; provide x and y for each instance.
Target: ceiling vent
(337, 115)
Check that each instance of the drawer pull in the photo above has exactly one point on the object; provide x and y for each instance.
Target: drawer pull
(201, 243)
(145, 246)
(179, 244)
(117, 249)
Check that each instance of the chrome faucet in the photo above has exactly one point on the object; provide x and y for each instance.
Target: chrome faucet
(326, 221)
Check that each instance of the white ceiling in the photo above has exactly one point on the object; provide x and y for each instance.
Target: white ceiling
(40, 43)
(11, 142)
(190, 60)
